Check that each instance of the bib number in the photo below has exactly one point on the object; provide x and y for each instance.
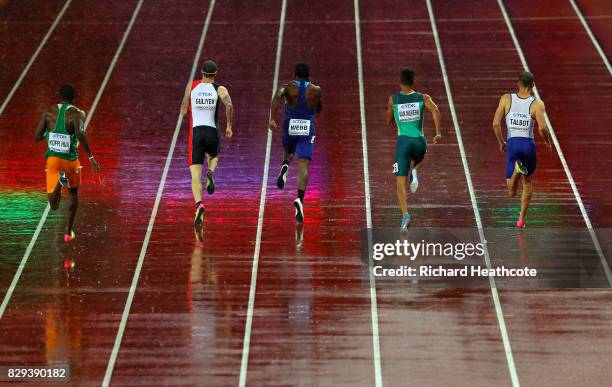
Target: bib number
(299, 127)
(409, 112)
(59, 142)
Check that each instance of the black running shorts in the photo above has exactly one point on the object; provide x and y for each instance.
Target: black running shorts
(203, 140)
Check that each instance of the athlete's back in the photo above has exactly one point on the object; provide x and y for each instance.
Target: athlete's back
(204, 104)
(312, 95)
(71, 116)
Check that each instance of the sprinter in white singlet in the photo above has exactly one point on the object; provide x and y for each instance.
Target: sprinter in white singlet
(202, 101)
(521, 110)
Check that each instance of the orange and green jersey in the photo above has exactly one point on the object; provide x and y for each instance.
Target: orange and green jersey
(60, 143)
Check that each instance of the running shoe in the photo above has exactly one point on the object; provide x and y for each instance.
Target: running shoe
(199, 214)
(520, 223)
(299, 211)
(63, 180)
(210, 183)
(69, 237)
(414, 181)
(520, 168)
(405, 222)
(69, 263)
(282, 176)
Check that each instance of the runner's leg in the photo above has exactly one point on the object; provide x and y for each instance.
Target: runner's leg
(289, 151)
(402, 197)
(55, 196)
(196, 181)
(401, 169)
(287, 157)
(526, 196)
(212, 162)
(72, 209)
(302, 177)
(513, 184)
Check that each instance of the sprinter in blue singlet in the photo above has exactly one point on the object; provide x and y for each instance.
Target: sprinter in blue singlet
(302, 101)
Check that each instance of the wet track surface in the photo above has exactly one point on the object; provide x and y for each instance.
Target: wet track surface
(312, 315)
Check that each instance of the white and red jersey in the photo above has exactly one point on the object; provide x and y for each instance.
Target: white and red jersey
(203, 104)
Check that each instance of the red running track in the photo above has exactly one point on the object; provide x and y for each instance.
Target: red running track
(549, 330)
(312, 320)
(23, 26)
(55, 318)
(450, 336)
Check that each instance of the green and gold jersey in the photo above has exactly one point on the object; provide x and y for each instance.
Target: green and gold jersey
(408, 111)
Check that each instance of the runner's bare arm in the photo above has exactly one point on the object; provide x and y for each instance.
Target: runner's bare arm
(229, 109)
(502, 107)
(276, 100)
(41, 128)
(540, 110)
(319, 106)
(77, 120)
(185, 103)
(437, 117)
(390, 117)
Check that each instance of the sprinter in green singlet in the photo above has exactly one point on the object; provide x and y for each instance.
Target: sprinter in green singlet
(62, 126)
(406, 109)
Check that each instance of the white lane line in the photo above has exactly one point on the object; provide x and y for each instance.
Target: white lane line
(244, 363)
(107, 76)
(568, 173)
(24, 260)
(145, 244)
(25, 70)
(498, 309)
(366, 177)
(45, 214)
(406, 20)
(590, 33)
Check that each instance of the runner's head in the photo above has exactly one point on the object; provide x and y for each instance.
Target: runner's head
(526, 80)
(407, 77)
(209, 69)
(67, 93)
(302, 71)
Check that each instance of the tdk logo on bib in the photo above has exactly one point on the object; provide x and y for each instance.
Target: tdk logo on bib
(59, 142)
(205, 100)
(520, 120)
(409, 112)
(299, 127)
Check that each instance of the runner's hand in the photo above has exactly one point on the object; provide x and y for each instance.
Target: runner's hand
(437, 139)
(272, 124)
(94, 165)
(228, 132)
(502, 146)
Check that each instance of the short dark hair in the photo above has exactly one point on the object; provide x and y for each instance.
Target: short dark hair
(526, 79)
(407, 77)
(209, 67)
(67, 92)
(302, 71)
